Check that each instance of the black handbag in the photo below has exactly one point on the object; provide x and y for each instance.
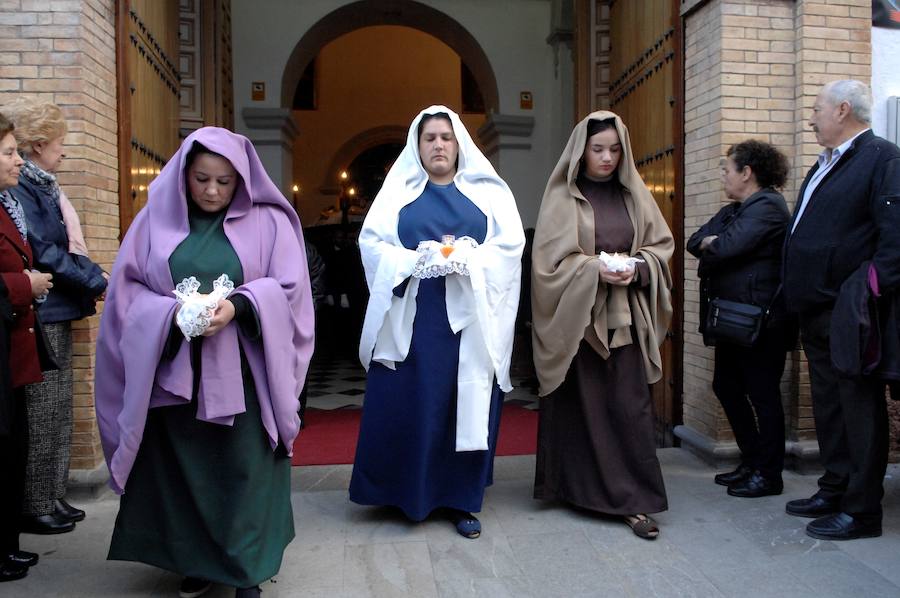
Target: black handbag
(734, 322)
(46, 355)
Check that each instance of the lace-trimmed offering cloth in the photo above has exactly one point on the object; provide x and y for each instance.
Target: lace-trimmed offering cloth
(197, 308)
(434, 260)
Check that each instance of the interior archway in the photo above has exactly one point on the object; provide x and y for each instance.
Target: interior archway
(376, 136)
(406, 13)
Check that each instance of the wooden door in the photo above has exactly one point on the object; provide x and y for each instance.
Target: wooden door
(628, 60)
(148, 88)
(205, 65)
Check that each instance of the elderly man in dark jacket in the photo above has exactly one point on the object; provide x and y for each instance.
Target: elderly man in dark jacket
(847, 212)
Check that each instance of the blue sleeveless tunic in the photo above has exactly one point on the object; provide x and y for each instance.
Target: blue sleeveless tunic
(406, 453)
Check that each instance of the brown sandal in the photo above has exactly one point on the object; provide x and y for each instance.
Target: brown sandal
(642, 526)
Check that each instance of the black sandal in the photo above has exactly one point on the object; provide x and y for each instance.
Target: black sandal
(642, 526)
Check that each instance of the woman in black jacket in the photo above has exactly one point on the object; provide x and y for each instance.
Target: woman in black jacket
(740, 260)
(54, 234)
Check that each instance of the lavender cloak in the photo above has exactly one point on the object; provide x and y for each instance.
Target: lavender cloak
(265, 232)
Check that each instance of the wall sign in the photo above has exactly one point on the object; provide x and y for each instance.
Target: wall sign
(525, 100)
(258, 91)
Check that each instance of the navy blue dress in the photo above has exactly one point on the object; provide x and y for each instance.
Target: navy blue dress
(406, 453)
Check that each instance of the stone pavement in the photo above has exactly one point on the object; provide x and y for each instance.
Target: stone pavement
(711, 545)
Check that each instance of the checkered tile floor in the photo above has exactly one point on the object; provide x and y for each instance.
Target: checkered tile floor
(341, 384)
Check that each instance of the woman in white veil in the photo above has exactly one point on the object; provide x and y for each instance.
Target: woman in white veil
(441, 247)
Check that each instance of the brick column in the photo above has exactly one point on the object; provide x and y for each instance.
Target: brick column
(702, 131)
(64, 52)
(752, 70)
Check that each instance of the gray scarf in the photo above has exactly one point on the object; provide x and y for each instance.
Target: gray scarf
(39, 177)
(14, 208)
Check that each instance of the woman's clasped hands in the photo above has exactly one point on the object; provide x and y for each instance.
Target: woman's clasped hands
(199, 314)
(620, 278)
(221, 316)
(617, 269)
(40, 283)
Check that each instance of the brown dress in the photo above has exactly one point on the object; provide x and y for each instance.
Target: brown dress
(596, 441)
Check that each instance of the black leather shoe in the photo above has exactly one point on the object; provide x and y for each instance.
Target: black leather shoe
(10, 571)
(66, 511)
(814, 506)
(45, 524)
(841, 526)
(741, 473)
(755, 486)
(23, 558)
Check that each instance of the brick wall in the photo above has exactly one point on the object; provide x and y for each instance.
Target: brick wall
(64, 52)
(753, 70)
(702, 140)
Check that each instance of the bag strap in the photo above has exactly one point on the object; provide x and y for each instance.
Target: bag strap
(774, 298)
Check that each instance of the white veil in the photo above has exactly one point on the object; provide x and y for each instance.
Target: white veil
(482, 306)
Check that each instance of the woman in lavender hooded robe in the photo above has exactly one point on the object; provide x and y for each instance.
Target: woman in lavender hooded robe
(198, 434)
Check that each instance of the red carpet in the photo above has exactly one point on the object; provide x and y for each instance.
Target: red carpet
(329, 437)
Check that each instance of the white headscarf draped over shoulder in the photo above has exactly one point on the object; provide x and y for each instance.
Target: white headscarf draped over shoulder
(482, 305)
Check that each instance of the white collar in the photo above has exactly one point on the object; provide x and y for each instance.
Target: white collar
(829, 156)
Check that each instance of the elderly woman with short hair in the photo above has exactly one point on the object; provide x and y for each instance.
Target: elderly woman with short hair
(739, 251)
(54, 234)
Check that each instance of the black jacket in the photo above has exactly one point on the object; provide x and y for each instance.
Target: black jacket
(77, 281)
(743, 264)
(865, 330)
(853, 216)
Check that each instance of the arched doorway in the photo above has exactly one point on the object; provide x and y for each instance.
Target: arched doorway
(386, 135)
(354, 100)
(361, 89)
(354, 81)
(407, 13)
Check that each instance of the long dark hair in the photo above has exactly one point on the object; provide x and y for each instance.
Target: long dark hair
(595, 126)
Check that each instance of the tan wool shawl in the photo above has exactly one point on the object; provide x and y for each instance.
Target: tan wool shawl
(569, 300)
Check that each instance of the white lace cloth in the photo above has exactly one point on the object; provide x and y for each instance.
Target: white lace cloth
(617, 262)
(197, 308)
(432, 262)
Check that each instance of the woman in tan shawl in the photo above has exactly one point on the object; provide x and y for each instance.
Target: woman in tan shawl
(598, 327)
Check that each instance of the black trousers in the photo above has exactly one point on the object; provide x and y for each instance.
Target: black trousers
(747, 382)
(13, 457)
(851, 425)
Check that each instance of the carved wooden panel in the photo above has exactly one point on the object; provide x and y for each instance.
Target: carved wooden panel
(224, 68)
(149, 84)
(207, 96)
(190, 65)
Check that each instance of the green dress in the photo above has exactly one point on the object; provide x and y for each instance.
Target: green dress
(207, 500)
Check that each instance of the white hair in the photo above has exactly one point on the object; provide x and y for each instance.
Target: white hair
(856, 93)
